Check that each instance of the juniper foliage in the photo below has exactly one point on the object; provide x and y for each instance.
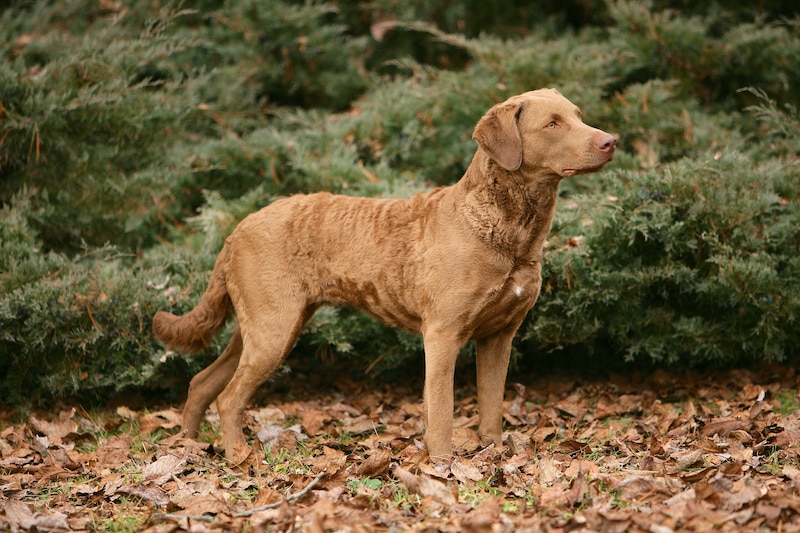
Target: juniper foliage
(134, 138)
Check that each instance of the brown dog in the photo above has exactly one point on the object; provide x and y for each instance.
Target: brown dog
(456, 263)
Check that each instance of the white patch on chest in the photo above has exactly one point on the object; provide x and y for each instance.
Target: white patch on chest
(518, 290)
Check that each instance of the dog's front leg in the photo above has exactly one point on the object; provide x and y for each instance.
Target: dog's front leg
(441, 353)
(493, 353)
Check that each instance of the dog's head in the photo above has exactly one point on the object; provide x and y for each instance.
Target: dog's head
(543, 131)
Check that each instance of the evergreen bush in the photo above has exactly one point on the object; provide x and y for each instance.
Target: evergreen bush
(78, 109)
(134, 138)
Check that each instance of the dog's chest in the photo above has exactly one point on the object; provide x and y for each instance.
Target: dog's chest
(509, 301)
(521, 288)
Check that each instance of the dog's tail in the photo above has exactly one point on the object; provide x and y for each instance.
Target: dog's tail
(193, 331)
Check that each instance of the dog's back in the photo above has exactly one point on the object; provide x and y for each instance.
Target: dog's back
(365, 252)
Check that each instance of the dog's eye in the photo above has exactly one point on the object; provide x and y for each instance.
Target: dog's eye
(552, 124)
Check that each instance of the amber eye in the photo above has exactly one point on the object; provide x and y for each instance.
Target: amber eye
(551, 124)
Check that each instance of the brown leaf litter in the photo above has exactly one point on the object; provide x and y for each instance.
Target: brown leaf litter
(655, 453)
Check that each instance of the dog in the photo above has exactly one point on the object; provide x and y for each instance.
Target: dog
(456, 263)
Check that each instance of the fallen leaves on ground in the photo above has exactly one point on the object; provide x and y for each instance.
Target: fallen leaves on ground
(654, 453)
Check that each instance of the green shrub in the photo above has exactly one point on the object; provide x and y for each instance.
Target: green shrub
(81, 325)
(709, 56)
(134, 138)
(696, 261)
(78, 111)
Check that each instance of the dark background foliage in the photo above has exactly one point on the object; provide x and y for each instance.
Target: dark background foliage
(134, 136)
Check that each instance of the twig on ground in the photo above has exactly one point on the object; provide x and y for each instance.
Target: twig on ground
(250, 512)
(178, 516)
(295, 496)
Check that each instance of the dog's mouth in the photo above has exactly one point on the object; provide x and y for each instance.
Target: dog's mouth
(569, 172)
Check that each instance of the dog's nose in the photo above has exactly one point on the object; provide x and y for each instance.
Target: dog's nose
(606, 143)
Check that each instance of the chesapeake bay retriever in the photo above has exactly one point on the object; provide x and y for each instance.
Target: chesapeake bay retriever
(456, 263)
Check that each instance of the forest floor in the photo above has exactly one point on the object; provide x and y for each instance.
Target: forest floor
(658, 452)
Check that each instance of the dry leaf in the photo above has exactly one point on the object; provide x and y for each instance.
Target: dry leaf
(376, 464)
(723, 427)
(199, 498)
(359, 426)
(57, 430)
(115, 452)
(549, 470)
(18, 514)
(126, 412)
(791, 472)
(163, 469)
(635, 488)
(167, 419)
(581, 466)
(268, 435)
(738, 494)
(428, 487)
(464, 472)
(330, 462)
(577, 491)
(487, 517)
(313, 420)
(686, 458)
(151, 494)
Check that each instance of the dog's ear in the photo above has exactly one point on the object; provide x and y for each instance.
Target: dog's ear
(498, 134)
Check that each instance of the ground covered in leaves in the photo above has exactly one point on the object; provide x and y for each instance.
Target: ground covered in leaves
(659, 452)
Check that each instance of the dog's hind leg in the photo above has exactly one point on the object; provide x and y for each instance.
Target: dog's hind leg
(267, 340)
(208, 383)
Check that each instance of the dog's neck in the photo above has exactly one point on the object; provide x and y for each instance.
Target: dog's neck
(510, 211)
